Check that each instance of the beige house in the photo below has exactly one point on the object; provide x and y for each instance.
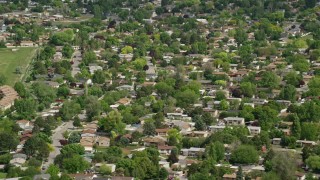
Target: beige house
(234, 121)
(27, 44)
(254, 130)
(103, 141)
(7, 97)
(87, 143)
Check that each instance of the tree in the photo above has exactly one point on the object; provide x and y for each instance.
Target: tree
(63, 91)
(224, 105)
(288, 93)
(239, 174)
(211, 153)
(97, 12)
(186, 98)
(69, 109)
(301, 65)
(174, 137)
(45, 94)
(269, 79)
(163, 173)
(92, 107)
(310, 3)
(126, 50)
(314, 163)
(296, 127)
(207, 118)
(67, 51)
(288, 141)
(65, 177)
(220, 95)
(149, 128)
(21, 90)
(53, 170)
(219, 150)
(163, 89)
(158, 119)
(270, 175)
(309, 131)
(248, 89)
(8, 141)
(104, 170)
(36, 147)
(77, 122)
(284, 165)
(25, 107)
(74, 138)
(71, 149)
(244, 154)
(173, 157)
(89, 57)
(139, 64)
(112, 123)
(99, 77)
(260, 35)
(241, 36)
(75, 164)
(245, 53)
(3, 79)
(61, 38)
(2, 44)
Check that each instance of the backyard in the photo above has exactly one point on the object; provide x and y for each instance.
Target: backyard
(14, 62)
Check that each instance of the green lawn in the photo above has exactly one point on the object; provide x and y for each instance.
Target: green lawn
(3, 175)
(10, 60)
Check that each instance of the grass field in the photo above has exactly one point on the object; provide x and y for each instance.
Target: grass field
(3, 175)
(10, 60)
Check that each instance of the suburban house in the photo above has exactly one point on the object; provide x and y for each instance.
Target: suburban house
(124, 101)
(93, 68)
(215, 129)
(254, 130)
(27, 44)
(103, 141)
(184, 126)
(165, 150)
(125, 88)
(276, 141)
(193, 152)
(111, 166)
(87, 143)
(229, 177)
(25, 124)
(234, 121)
(304, 143)
(42, 177)
(178, 116)
(202, 134)
(8, 95)
(157, 141)
(162, 132)
(18, 160)
(88, 133)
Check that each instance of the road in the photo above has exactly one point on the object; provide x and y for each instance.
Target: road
(76, 58)
(56, 137)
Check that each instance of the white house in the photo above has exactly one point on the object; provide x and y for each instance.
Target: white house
(192, 152)
(234, 121)
(25, 124)
(254, 130)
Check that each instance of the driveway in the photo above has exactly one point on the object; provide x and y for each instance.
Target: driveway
(56, 137)
(76, 58)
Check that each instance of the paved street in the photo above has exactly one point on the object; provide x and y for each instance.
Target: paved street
(76, 58)
(56, 136)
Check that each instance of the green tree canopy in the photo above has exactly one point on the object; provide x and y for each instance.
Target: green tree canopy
(244, 154)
